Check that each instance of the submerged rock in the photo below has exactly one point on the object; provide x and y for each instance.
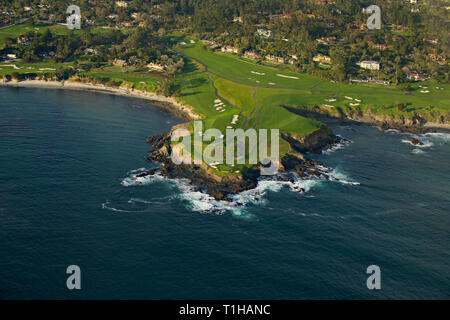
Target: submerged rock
(416, 142)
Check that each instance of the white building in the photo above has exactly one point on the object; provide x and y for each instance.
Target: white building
(264, 33)
(369, 65)
(122, 4)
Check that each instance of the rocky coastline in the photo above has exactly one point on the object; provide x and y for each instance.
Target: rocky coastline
(418, 124)
(203, 178)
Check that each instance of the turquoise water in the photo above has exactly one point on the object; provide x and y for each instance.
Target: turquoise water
(66, 198)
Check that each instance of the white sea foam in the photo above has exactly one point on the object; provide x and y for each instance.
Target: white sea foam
(107, 206)
(133, 180)
(201, 202)
(417, 151)
(339, 176)
(426, 143)
(438, 136)
(337, 146)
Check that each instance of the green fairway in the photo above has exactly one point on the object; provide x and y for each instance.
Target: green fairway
(295, 89)
(228, 91)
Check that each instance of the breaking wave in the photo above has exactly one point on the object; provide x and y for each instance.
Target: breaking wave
(236, 204)
(426, 143)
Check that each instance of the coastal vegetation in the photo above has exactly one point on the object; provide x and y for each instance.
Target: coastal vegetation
(276, 65)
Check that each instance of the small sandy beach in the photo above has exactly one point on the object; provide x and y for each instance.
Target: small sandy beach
(161, 101)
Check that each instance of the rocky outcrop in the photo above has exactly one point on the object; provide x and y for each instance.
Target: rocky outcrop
(315, 142)
(416, 142)
(416, 123)
(204, 179)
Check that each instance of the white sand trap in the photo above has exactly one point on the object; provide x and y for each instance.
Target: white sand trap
(424, 91)
(357, 100)
(348, 98)
(192, 41)
(217, 101)
(258, 73)
(11, 65)
(354, 104)
(49, 69)
(328, 106)
(330, 100)
(258, 81)
(285, 76)
(229, 127)
(271, 83)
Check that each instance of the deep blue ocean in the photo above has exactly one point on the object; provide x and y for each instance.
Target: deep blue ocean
(66, 198)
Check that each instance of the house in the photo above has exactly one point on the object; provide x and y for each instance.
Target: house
(252, 55)
(27, 9)
(119, 63)
(237, 19)
(322, 2)
(436, 57)
(113, 16)
(264, 33)
(122, 4)
(230, 49)
(369, 65)
(24, 40)
(328, 41)
(379, 46)
(89, 51)
(135, 15)
(210, 43)
(416, 76)
(320, 58)
(155, 17)
(155, 67)
(275, 59)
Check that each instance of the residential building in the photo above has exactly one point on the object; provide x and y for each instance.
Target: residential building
(252, 55)
(369, 65)
(230, 49)
(156, 66)
(320, 58)
(264, 33)
(417, 76)
(275, 59)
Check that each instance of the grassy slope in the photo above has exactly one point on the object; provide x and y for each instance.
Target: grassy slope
(237, 80)
(374, 96)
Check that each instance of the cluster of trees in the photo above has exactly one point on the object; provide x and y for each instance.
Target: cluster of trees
(411, 37)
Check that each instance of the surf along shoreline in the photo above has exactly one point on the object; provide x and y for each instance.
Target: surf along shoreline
(293, 166)
(183, 111)
(201, 177)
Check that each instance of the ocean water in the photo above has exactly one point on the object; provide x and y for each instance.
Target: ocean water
(67, 198)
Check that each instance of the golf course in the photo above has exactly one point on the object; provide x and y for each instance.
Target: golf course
(232, 92)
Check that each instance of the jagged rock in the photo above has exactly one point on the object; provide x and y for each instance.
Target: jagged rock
(202, 177)
(416, 142)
